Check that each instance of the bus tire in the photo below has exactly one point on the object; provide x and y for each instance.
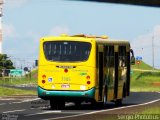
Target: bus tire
(61, 105)
(53, 104)
(94, 103)
(124, 90)
(118, 102)
(57, 105)
(77, 103)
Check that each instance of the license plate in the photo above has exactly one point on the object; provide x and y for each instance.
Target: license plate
(65, 86)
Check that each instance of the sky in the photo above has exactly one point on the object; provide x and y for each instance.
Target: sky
(26, 21)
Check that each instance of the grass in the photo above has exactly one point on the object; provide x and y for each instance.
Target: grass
(18, 81)
(11, 91)
(144, 81)
(142, 65)
(152, 110)
(27, 79)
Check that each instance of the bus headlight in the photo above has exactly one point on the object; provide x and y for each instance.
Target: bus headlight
(83, 87)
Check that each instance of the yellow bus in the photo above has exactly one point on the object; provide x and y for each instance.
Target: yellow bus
(82, 68)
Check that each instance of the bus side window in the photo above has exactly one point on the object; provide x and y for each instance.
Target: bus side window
(122, 56)
(106, 61)
(109, 56)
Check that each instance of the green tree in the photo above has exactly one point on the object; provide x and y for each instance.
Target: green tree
(5, 62)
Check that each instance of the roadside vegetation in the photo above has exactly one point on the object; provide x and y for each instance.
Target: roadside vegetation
(145, 80)
(4, 91)
(142, 65)
(152, 110)
(30, 78)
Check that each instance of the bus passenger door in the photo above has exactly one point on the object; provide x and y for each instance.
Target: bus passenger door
(109, 71)
(116, 61)
(122, 71)
(100, 70)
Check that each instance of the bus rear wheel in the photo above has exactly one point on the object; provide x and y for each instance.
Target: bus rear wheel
(57, 104)
(124, 90)
(77, 103)
(118, 102)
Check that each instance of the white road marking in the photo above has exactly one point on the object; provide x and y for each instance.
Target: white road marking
(124, 107)
(7, 99)
(103, 110)
(59, 111)
(16, 102)
(14, 111)
(26, 100)
(19, 101)
(74, 112)
(69, 104)
(2, 103)
(31, 100)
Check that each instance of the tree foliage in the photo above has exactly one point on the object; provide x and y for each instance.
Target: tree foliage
(5, 62)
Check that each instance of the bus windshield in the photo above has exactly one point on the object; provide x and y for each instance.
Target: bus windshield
(66, 50)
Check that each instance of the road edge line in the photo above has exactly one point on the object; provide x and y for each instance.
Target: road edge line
(13, 111)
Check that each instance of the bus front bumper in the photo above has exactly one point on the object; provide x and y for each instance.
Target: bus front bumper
(42, 93)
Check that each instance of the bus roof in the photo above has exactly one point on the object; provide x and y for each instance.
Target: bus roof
(112, 41)
(99, 39)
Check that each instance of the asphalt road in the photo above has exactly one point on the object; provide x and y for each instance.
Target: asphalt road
(33, 108)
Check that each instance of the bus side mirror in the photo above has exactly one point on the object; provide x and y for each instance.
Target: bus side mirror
(132, 57)
(36, 63)
(132, 60)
